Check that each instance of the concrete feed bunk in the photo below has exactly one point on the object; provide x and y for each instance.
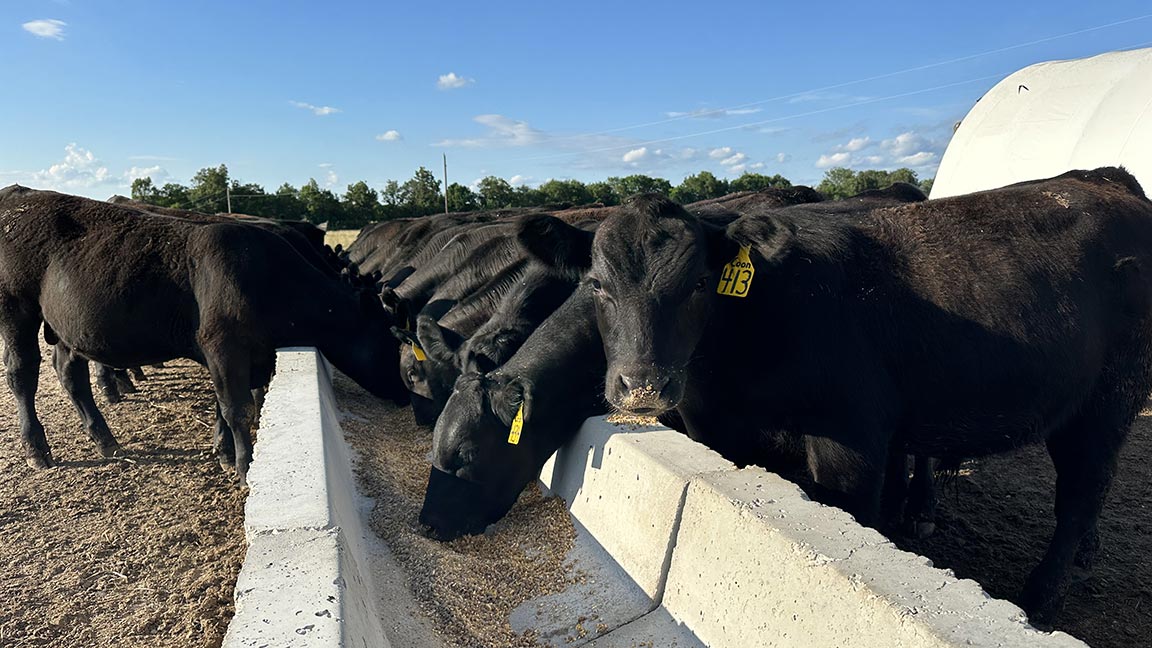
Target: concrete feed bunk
(685, 550)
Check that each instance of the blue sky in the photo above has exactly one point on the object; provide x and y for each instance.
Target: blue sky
(97, 93)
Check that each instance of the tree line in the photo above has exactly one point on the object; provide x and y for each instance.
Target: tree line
(212, 188)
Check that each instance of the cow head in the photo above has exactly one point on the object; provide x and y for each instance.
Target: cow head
(477, 474)
(428, 366)
(653, 269)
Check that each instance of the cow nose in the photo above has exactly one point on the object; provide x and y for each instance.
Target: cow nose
(651, 384)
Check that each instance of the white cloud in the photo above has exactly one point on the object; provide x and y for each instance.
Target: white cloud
(834, 159)
(46, 28)
(331, 179)
(319, 111)
(783, 157)
(80, 169)
(389, 136)
(325, 165)
(502, 132)
(518, 180)
(719, 153)
(738, 168)
(756, 165)
(157, 173)
(904, 144)
(450, 81)
(635, 155)
(732, 160)
(921, 158)
(908, 149)
(713, 113)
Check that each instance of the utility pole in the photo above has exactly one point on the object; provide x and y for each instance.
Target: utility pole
(228, 197)
(445, 182)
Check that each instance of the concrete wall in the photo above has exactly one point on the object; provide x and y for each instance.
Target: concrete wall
(739, 558)
(304, 581)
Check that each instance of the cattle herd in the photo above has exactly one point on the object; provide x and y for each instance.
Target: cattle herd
(775, 327)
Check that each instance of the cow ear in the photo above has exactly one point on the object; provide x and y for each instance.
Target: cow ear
(514, 395)
(555, 243)
(439, 343)
(402, 335)
(767, 235)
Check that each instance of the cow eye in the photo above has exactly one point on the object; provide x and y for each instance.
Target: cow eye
(595, 283)
(701, 285)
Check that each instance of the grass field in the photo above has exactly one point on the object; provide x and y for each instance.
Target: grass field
(340, 237)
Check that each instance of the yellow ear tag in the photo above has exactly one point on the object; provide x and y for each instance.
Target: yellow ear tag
(517, 425)
(736, 279)
(419, 353)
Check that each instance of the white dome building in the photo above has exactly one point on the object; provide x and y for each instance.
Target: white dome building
(1051, 117)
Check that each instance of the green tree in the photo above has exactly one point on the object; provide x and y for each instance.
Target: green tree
(757, 182)
(286, 204)
(838, 182)
(144, 191)
(174, 195)
(603, 193)
(320, 205)
(701, 186)
(461, 198)
(870, 179)
(634, 184)
(209, 189)
(903, 174)
(525, 196)
(250, 198)
(565, 192)
(361, 206)
(495, 193)
(423, 193)
(926, 185)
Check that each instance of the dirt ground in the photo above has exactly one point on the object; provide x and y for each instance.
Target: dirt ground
(138, 551)
(995, 522)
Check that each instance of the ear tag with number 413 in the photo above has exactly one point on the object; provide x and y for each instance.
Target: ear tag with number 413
(736, 278)
(517, 426)
(418, 352)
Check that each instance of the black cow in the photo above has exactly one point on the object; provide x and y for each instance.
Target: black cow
(128, 288)
(951, 328)
(555, 380)
(460, 342)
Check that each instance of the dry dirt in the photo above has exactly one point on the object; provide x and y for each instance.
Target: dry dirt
(340, 237)
(468, 587)
(138, 551)
(995, 521)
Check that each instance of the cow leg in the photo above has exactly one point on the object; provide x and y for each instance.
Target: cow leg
(72, 370)
(847, 477)
(137, 373)
(222, 442)
(107, 382)
(231, 380)
(895, 488)
(22, 365)
(1084, 455)
(920, 510)
(123, 381)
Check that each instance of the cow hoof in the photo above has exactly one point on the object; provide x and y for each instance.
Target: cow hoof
(242, 479)
(128, 388)
(111, 451)
(113, 397)
(39, 462)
